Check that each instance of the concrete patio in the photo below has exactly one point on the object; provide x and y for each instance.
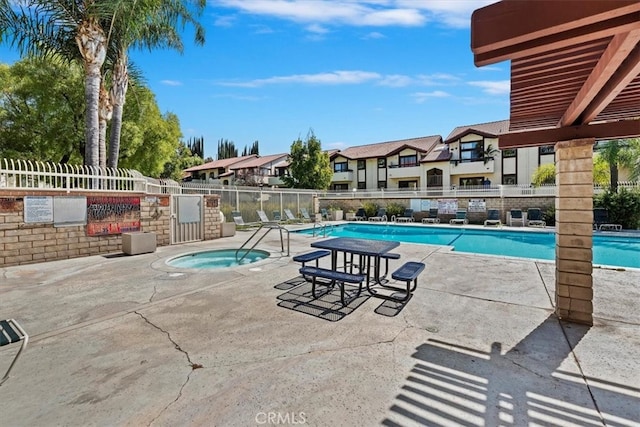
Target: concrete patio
(128, 340)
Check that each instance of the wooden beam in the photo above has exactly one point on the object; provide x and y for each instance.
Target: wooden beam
(512, 22)
(614, 55)
(609, 130)
(625, 74)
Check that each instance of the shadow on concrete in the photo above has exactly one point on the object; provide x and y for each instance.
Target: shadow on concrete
(452, 384)
(327, 306)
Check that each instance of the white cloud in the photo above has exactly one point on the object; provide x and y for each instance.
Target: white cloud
(334, 12)
(171, 82)
(317, 29)
(500, 87)
(224, 21)
(396, 80)
(332, 78)
(421, 97)
(373, 35)
(451, 13)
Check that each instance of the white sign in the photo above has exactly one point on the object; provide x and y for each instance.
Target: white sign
(69, 210)
(447, 206)
(477, 205)
(38, 209)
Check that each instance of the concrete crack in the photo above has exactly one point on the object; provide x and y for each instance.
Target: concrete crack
(155, 290)
(193, 365)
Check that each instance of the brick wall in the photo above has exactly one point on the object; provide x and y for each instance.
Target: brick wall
(25, 243)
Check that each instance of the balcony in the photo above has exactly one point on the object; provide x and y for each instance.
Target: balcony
(395, 172)
(478, 167)
(343, 176)
(274, 180)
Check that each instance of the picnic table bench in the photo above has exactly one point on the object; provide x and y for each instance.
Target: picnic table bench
(335, 276)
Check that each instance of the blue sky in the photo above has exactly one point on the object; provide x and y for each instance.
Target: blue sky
(354, 71)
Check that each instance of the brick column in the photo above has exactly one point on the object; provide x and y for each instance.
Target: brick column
(574, 225)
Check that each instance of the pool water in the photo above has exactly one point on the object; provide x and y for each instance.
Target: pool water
(217, 259)
(610, 250)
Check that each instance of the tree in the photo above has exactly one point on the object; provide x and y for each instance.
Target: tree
(52, 28)
(143, 24)
(183, 158)
(226, 149)
(617, 153)
(151, 137)
(309, 166)
(42, 111)
(253, 150)
(546, 174)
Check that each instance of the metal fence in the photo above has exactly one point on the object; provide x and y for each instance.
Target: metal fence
(30, 175)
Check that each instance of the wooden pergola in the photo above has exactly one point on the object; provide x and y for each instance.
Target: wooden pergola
(575, 79)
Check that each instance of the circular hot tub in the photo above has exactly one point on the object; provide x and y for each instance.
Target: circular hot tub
(220, 258)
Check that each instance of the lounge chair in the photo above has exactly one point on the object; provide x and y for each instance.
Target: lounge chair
(237, 218)
(534, 218)
(493, 218)
(305, 215)
(407, 216)
(381, 215)
(276, 216)
(432, 218)
(360, 215)
(290, 217)
(461, 218)
(325, 214)
(264, 218)
(601, 221)
(515, 216)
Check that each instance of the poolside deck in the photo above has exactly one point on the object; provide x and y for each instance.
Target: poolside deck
(130, 341)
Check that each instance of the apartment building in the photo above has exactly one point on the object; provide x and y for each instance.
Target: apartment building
(243, 170)
(393, 164)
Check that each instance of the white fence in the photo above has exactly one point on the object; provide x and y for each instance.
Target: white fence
(21, 174)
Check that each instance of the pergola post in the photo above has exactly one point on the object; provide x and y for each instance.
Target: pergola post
(574, 225)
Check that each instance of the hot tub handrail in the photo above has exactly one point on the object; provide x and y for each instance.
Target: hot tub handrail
(268, 226)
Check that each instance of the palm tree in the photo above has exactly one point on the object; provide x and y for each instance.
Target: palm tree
(616, 152)
(143, 24)
(72, 30)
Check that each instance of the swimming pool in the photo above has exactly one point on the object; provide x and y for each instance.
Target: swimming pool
(610, 250)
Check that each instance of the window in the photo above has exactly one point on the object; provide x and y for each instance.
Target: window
(341, 167)
(471, 182)
(360, 164)
(340, 186)
(471, 151)
(408, 161)
(408, 184)
(382, 184)
(434, 177)
(362, 186)
(509, 179)
(509, 152)
(382, 162)
(546, 149)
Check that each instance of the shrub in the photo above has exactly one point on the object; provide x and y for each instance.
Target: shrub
(549, 215)
(370, 209)
(394, 209)
(623, 207)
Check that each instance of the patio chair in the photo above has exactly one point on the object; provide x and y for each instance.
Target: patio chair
(381, 215)
(534, 218)
(432, 218)
(493, 218)
(305, 215)
(407, 216)
(276, 216)
(601, 221)
(360, 215)
(515, 216)
(325, 214)
(263, 217)
(237, 218)
(11, 332)
(461, 217)
(291, 217)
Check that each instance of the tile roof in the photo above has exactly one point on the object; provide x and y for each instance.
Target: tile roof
(490, 129)
(222, 163)
(439, 153)
(383, 149)
(256, 162)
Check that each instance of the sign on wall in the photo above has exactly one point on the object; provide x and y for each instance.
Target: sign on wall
(112, 215)
(38, 209)
(447, 206)
(69, 210)
(477, 205)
